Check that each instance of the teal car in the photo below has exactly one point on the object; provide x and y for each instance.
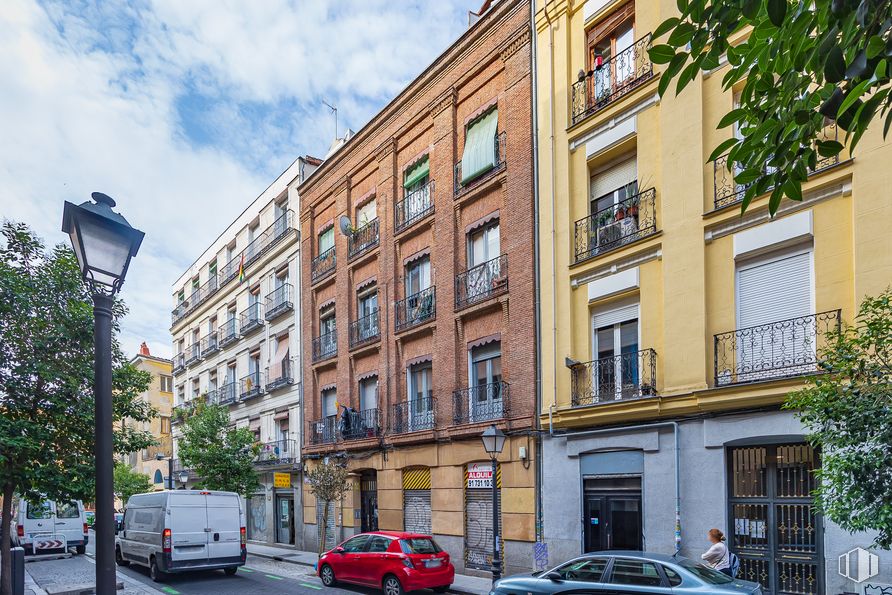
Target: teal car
(622, 572)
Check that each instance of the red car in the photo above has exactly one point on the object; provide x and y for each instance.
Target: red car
(390, 560)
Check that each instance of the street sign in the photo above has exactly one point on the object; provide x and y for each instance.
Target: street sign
(49, 544)
(480, 475)
(282, 480)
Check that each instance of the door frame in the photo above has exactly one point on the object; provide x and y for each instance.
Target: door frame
(583, 537)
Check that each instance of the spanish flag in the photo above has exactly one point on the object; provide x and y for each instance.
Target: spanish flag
(241, 269)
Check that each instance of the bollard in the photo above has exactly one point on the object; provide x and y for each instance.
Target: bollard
(18, 570)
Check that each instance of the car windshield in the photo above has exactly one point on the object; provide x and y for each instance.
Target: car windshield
(705, 574)
(419, 545)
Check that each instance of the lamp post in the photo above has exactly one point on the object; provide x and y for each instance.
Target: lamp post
(160, 457)
(184, 479)
(103, 243)
(493, 442)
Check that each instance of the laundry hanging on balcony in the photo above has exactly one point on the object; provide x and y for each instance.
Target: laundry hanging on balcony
(480, 155)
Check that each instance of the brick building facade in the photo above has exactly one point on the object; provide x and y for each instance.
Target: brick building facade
(420, 315)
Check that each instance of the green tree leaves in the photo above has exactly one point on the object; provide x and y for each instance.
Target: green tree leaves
(129, 482)
(328, 483)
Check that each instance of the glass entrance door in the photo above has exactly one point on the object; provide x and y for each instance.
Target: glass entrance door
(613, 515)
(285, 518)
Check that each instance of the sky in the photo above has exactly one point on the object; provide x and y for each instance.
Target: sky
(185, 111)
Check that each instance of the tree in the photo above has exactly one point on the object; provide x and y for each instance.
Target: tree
(848, 412)
(46, 380)
(328, 483)
(221, 456)
(129, 482)
(804, 64)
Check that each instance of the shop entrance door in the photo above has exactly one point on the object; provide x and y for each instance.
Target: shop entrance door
(613, 519)
(368, 494)
(285, 518)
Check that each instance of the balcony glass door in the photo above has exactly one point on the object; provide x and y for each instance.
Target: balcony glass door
(420, 392)
(418, 278)
(368, 321)
(483, 247)
(486, 378)
(615, 347)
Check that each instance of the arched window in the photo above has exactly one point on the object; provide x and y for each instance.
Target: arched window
(158, 477)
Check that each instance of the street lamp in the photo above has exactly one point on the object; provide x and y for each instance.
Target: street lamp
(493, 442)
(184, 478)
(160, 457)
(103, 243)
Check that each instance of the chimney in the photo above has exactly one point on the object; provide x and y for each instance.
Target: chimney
(144, 349)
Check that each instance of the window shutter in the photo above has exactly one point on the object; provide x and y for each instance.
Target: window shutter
(326, 240)
(479, 155)
(616, 177)
(417, 172)
(775, 290)
(615, 315)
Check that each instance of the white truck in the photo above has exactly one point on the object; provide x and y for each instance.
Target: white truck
(182, 530)
(49, 526)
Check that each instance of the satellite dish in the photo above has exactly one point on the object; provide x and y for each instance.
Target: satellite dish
(346, 227)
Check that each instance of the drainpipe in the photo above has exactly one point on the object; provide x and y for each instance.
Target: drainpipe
(553, 233)
(674, 426)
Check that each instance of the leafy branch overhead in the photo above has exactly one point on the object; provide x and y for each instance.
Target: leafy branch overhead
(798, 66)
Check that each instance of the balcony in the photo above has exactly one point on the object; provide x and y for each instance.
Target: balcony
(414, 207)
(416, 415)
(416, 309)
(250, 386)
(611, 80)
(462, 187)
(623, 377)
(484, 402)
(324, 431)
(622, 223)
(229, 271)
(224, 395)
(178, 466)
(363, 239)
(783, 349)
(364, 330)
(278, 452)
(194, 353)
(279, 376)
(227, 333)
(256, 247)
(481, 282)
(279, 301)
(358, 425)
(325, 346)
(280, 227)
(179, 363)
(323, 264)
(250, 319)
(726, 191)
(210, 344)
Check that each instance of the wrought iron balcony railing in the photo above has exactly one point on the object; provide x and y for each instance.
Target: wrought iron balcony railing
(179, 312)
(414, 415)
(250, 386)
(617, 225)
(279, 301)
(228, 333)
(210, 343)
(194, 353)
(325, 346)
(364, 238)
(414, 207)
(726, 191)
(280, 227)
(364, 330)
(783, 349)
(323, 264)
(179, 363)
(250, 319)
(622, 377)
(256, 247)
(279, 376)
(497, 166)
(480, 403)
(278, 452)
(482, 282)
(416, 309)
(225, 394)
(229, 271)
(198, 296)
(610, 80)
(324, 431)
(356, 425)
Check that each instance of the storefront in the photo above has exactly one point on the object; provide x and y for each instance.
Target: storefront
(417, 500)
(478, 515)
(285, 509)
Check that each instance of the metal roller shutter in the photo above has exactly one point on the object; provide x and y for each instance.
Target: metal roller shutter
(417, 500)
(330, 528)
(478, 525)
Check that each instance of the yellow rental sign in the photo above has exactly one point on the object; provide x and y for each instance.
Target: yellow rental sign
(282, 480)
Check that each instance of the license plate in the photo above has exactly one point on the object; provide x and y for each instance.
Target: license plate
(435, 563)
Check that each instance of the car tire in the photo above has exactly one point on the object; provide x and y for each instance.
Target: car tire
(442, 589)
(326, 573)
(230, 571)
(155, 573)
(392, 585)
(119, 558)
(80, 549)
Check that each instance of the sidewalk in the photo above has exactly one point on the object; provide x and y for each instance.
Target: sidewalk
(71, 575)
(467, 585)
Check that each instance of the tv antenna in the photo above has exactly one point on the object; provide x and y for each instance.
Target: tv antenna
(333, 110)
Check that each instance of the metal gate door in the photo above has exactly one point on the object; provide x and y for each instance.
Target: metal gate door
(417, 500)
(330, 526)
(368, 501)
(478, 522)
(775, 529)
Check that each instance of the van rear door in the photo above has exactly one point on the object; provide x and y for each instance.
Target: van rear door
(187, 521)
(70, 521)
(224, 523)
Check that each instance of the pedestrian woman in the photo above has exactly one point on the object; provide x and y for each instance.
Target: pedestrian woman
(717, 555)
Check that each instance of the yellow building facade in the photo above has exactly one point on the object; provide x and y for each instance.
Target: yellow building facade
(160, 396)
(672, 325)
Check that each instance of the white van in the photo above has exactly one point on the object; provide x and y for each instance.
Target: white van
(49, 526)
(182, 530)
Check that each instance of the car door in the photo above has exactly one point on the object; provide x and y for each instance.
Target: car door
(224, 524)
(629, 576)
(347, 564)
(68, 521)
(582, 575)
(373, 560)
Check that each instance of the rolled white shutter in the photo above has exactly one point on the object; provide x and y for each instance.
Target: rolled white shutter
(616, 177)
(774, 290)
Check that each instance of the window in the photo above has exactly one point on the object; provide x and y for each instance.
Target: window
(483, 244)
(254, 366)
(356, 545)
(329, 402)
(181, 296)
(165, 425)
(368, 394)
(326, 240)
(480, 153)
(416, 193)
(212, 269)
(230, 373)
(674, 578)
(282, 431)
(610, 53)
(635, 572)
(328, 341)
(212, 324)
(417, 176)
(195, 388)
(367, 314)
(418, 275)
(378, 544)
(212, 380)
(615, 350)
(281, 278)
(419, 545)
(420, 388)
(195, 284)
(280, 365)
(589, 570)
(181, 394)
(366, 213)
(707, 575)
(166, 383)
(613, 205)
(484, 273)
(67, 510)
(44, 510)
(485, 381)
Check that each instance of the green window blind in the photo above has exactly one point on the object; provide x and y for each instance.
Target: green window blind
(480, 147)
(326, 240)
(417, 172)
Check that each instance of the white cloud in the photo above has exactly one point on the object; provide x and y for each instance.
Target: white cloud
(89, 102)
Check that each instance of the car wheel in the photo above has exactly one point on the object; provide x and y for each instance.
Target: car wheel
(119, 558)
(230, 571)
(154, 572)
(327, 576)
(442, 589)
(392, 585)
(80, 549)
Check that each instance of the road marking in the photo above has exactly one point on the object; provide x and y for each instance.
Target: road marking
(317, 587)
(273, 576)
(170, 590)
(243, 569)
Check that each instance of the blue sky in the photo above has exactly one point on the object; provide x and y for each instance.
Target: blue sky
(184, 111)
